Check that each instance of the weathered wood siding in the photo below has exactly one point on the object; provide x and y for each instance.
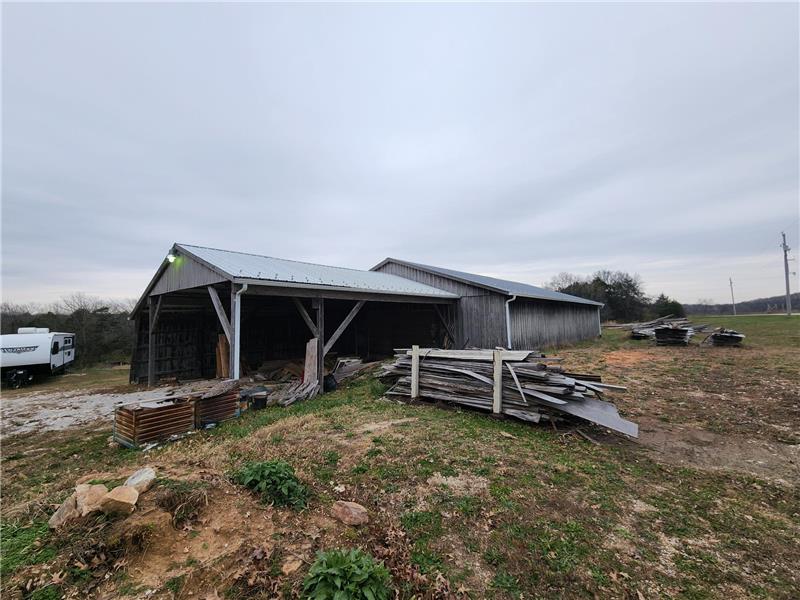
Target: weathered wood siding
(537, 324)
(184, 273)
(480, 314)
(185, 346)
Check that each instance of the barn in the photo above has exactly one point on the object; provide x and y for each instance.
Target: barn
(263, 308)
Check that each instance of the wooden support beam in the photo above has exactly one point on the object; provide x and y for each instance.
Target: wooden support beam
(223, 318)
(347, 320)
(319, 305)
(447, 328)
(232, 357)
(157, 313)
(414, 372)
(497, 397)
(304, 313)
(152, 316)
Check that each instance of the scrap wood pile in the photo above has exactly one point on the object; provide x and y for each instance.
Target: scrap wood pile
(725, 337)
(673, 335)
(305, 385)
(534, 387)
(648, 329)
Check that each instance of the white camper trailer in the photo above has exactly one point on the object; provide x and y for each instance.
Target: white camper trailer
(34, 351)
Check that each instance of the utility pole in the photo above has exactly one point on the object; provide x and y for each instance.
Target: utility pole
(786, 274)
(733, 302)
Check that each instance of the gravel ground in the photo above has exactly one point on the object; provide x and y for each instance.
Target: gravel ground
(56, 411)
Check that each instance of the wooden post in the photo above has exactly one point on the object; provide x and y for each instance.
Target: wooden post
(151, 359)
(319, 304)
(233, 340)
(497, 399)
(414, 372)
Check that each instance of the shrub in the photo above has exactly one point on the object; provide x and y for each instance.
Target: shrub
(275, 481)
(346, 575)
(182, 499)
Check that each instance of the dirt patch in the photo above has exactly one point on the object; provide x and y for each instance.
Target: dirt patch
(630, 358)
(382, 425)
(460, 485)
(689, 446)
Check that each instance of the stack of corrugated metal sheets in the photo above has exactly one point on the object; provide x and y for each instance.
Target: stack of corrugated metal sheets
(138, 424)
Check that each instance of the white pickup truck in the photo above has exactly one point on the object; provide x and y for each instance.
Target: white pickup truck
(34, 351)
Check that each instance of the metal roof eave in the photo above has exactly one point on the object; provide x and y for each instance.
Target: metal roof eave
(485, 286)
(445, 297)
(163, 266)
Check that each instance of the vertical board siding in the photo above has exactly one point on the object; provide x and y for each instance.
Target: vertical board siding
(184, 346)
(480, 316)
(184, 273)
(537, 324)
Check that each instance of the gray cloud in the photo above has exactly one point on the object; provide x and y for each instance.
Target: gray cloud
(513, 140)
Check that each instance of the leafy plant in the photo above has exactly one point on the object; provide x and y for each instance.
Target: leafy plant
(346, 575)
(275, 481)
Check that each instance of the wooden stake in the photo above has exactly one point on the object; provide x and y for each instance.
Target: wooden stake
(497, 398)
(414, 372)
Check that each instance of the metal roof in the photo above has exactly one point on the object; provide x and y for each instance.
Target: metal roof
(240, 265)
(510, 288)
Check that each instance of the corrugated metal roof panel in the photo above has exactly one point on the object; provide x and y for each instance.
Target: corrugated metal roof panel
(512, 288)
(241, 265)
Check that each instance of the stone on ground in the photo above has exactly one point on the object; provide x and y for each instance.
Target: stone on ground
(66, 512)
(142, 479)
(87, 497)
(120, 501)
(350, 513)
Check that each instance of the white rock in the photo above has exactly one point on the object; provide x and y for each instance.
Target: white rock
(142, 479)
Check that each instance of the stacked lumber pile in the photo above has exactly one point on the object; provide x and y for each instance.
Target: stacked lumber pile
(534, 388)
(673, 335)
(647, 329)
(725, 337)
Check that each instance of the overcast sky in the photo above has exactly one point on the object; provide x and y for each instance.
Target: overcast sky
(510, 140)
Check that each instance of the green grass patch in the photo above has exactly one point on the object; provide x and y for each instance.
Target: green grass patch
(23, 545)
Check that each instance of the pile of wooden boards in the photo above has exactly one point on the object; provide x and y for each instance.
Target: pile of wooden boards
(647, 330)
(673, 335)
(725, 337)
(520, 383)
(145, 423)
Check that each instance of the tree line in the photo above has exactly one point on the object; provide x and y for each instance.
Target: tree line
(621, 293)
(102, 330)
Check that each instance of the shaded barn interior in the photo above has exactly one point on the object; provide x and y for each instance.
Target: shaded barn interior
(272, 328)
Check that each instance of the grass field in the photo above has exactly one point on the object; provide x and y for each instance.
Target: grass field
(704, 505)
